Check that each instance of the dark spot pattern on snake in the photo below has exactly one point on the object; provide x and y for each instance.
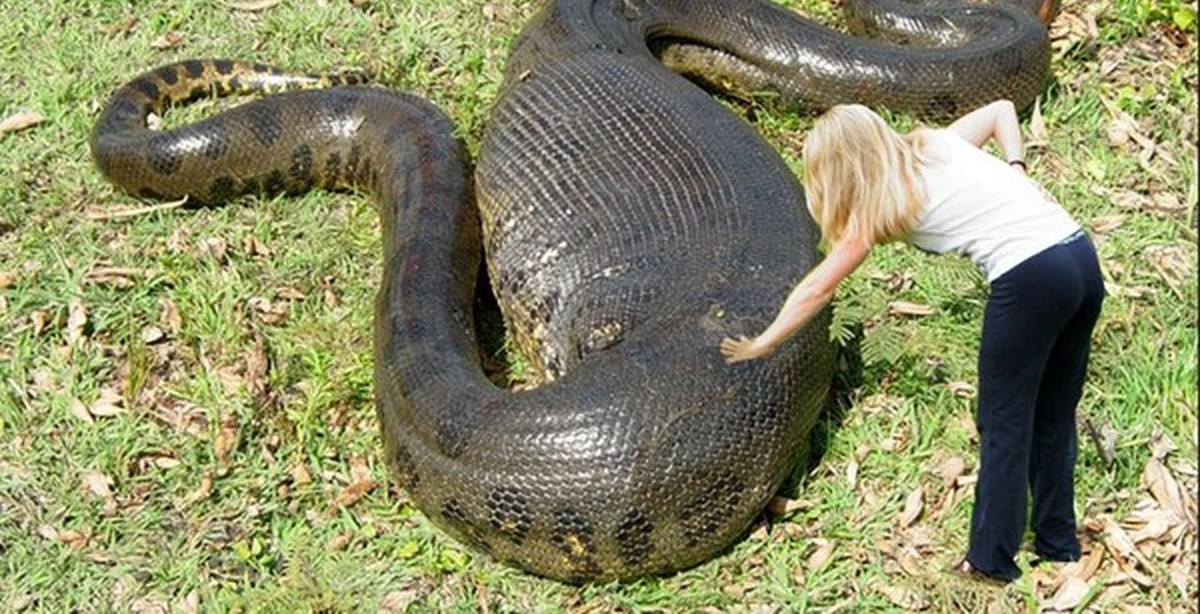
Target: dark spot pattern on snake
(508, 513)
(265, 123)
(168, 75)
(165, 156)
(634, 536)
(708, 512)
(222, 189)
(147, 88)
(301, 169)
(194, 68)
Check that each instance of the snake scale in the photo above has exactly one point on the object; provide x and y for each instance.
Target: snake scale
(629, 222)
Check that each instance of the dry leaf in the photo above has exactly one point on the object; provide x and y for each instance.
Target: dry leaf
(900, 282)
(398, 601)
(204, 490)
(1166, 203)
(880, 402)
(20, 121)
(80, 410)
(860, 454)
(251, 246)
(170, 40)
(1105, 225)
(852, 474)
(950, 470)
(783, 506)
(913, 505)
(359, 471)
(1151, 524)
(158, 460)
(121, 277)
(7, 280)
(98, 484)
(258, 368)
(1138, 609)
(120, 28)
(250, 6)
(340, 541)
(1162, 485)
(1161, 444)
(1131, 572)
(226, 441)
(822, 555)
(76, 321)
(354, 492)
(1121, 545)
(149, 606)
(904, 598)
(1069, 28)
(962, 390)
(900, 440)
(1173, 263)
(20, 602)
(215, 247)
(39, 319)
(1181, 576)
(300, 474)
(273, 313)
(1069, 595)
(1133, 292)
(1105, 438)
(910, 561)
(1038, 136)
(1121, 129)
(1086, 567)
(152, 334)
(189, 604)
(905, 308)
(107, 405)
(290, 294)
(74, 539)
(170, 318)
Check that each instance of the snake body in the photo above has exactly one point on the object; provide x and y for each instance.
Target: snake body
(629, 223)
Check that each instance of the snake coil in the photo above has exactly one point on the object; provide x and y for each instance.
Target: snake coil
(629, 223)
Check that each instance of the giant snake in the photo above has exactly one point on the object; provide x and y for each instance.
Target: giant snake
(628, 222)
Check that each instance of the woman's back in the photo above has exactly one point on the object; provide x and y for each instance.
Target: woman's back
(980, 207)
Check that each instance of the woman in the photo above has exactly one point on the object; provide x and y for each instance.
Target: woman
(938, 190)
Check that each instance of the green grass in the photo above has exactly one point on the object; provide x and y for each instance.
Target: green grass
(273, 342)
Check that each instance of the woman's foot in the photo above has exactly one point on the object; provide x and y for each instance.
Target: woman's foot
(965, 569)
(1040, 560)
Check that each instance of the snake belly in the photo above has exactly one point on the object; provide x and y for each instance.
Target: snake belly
(629, 222)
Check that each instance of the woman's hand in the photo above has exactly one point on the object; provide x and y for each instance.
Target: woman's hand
(803, 303)
(743, 348)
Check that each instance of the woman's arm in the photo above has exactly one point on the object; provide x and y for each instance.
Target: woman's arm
(997, 120)
(805, 301)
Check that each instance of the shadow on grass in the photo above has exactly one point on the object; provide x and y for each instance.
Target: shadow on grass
(848, 376)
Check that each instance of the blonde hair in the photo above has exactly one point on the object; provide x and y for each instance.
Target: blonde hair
(862, 177)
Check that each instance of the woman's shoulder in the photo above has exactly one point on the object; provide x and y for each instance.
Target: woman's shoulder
(941, 136)
(945, 145)
(934, 145)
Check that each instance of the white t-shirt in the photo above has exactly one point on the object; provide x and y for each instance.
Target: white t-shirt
(980, 207)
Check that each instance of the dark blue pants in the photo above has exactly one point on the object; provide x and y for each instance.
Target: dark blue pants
(1033, 357)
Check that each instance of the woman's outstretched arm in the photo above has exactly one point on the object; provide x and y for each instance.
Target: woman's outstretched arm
(997, 120)
(805, 301)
